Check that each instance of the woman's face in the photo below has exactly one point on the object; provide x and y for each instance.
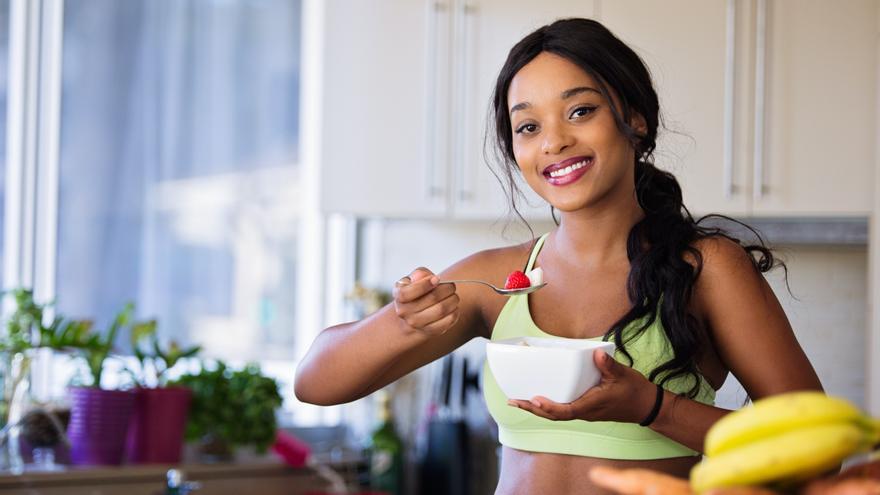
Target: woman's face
(565, 140)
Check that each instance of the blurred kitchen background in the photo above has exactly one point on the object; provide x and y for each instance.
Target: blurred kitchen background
(238, 167)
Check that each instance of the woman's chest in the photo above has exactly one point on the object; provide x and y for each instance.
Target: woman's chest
(580, 306)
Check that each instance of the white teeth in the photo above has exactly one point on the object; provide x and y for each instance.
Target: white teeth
(569, 169)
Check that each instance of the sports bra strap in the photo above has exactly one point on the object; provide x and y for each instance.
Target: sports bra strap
(535, 250)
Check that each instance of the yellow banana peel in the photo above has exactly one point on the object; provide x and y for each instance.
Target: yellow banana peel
(783, 440)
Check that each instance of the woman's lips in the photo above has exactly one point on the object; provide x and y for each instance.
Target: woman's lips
(572, 171)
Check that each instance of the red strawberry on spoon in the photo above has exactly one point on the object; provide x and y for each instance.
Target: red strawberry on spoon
(517, 280)
(518, 283)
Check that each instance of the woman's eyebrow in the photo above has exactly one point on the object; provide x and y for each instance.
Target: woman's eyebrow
(568, 93)
(520, 106)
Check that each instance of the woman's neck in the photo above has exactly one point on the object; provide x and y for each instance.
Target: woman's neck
(597, 237)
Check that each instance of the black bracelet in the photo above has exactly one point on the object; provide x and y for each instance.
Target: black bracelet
(656, 410)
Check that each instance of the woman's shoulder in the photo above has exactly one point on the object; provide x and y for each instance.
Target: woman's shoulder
(727, 272)
(493, 264)
(720, 255)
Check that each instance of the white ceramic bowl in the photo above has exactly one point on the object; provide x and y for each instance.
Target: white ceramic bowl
(553, 367)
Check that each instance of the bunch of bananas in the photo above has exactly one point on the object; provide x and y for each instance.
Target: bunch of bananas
(783, 440)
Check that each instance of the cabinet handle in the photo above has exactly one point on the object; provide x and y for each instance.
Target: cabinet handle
(435, 97)
(729, 90)
(466, 12)
(760, 79)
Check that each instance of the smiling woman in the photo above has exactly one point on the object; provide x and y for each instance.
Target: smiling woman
(576, 115)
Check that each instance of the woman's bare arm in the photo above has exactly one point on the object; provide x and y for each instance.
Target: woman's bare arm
(349, 361)
(750, 333)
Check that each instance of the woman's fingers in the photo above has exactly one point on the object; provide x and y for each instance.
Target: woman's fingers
(425, 313)
(442, 325)
(415, 285)
(424, 304)
(419, 295)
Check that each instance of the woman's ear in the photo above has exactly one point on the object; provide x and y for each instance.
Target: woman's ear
(640, 126)
(638, 123)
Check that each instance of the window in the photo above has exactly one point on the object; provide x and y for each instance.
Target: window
(158, 159)
(178, 169)
(4, 77)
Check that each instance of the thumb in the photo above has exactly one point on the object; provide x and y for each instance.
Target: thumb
(606, 364)
(420, 273)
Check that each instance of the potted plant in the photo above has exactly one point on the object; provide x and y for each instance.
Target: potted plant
(231, 409)
(25, 331)
(155, 434)
(99, 418)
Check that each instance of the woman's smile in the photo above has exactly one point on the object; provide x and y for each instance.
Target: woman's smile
(568, 171)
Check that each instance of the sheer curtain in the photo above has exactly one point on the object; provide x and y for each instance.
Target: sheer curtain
(4, 75)
(178, 169)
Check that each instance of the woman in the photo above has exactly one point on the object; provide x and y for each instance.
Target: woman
(576, 114)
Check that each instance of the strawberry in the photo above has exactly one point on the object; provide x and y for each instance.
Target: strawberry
(517, 280)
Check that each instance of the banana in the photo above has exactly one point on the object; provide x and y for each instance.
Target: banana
(778, 414)
(782, 457)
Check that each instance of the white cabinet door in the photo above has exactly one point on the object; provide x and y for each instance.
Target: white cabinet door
(486, 33)
(684, 43)
(383, 143)
(820, 101)
(407, 87)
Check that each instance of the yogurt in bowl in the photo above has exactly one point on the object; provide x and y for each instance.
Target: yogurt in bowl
(554, 367)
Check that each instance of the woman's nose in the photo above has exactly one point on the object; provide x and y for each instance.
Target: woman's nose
(556, 140)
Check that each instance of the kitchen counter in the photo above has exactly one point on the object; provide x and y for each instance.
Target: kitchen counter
(830, 231)
(269, 477)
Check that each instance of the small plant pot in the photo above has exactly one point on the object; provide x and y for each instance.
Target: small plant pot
(98, 425)
(158, 421)
(213, 449)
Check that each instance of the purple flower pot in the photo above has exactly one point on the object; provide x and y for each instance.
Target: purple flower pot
(155, 434)
(98, 425)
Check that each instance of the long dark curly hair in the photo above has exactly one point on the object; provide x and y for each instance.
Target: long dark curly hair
(661, 279)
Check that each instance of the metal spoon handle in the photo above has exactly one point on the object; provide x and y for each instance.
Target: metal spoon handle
(499, 290)
(470, 281)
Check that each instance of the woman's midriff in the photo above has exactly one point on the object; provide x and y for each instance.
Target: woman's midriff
(527, 473)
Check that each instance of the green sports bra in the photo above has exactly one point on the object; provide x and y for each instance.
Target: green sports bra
(522, 430)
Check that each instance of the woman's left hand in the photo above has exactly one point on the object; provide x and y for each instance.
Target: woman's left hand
(622, 394)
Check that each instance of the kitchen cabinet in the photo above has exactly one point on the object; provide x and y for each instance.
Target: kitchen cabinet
(769, 102)
(820, 109)
(685, 45)
(406, 92)
(769, 105)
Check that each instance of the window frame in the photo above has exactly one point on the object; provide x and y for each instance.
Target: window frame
(36, 47)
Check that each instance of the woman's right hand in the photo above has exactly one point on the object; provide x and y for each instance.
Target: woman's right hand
(423, 305)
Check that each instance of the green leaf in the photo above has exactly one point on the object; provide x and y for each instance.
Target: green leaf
(141, 331)
(237, 406)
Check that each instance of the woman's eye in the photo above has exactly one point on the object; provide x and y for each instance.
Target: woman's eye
(526, 129)
(582, 111)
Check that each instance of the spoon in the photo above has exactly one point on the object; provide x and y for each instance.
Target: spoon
(503, 292)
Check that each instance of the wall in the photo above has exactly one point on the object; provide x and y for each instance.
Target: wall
(830, 313)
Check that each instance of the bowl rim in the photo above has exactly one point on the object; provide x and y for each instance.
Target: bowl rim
(591, 344)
